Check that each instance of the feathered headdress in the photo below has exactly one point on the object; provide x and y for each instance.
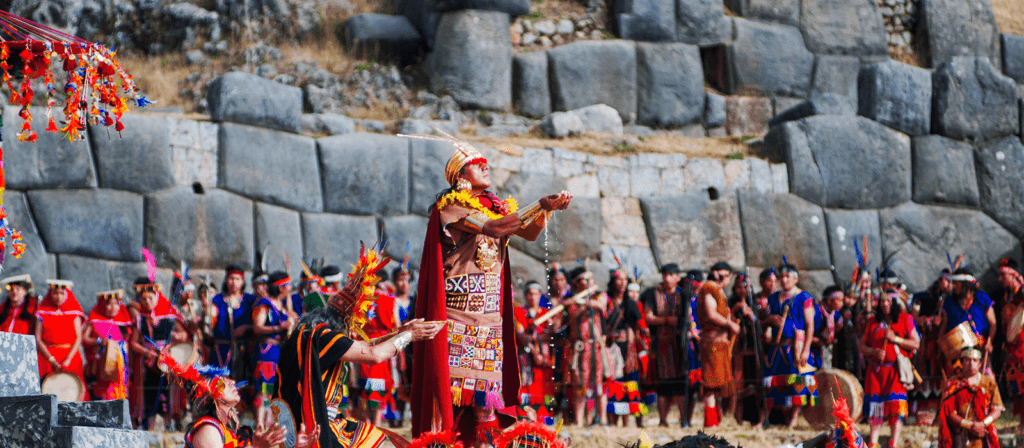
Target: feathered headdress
(845, 434)
(528, 435)
(203, 383)
(862, 261)
(355, 299)
(440, 439)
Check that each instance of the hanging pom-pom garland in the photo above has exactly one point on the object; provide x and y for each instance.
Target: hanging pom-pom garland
(95, 85)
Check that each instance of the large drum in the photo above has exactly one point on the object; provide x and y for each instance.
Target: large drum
(281, 414)
(958, 338)
(832, 384)
(184, 353)
(66, 386)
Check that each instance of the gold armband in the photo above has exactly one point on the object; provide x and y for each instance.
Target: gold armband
(988, 420)
(899, 340)
(476, 222)
(531, 212)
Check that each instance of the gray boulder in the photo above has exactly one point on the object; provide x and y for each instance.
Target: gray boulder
(511, 7)
(824, 104)
(381, 27)
(472, 59)
(335, 238)
(647, 20)
(786, 12)
(670, 85)
(92, 223)
(561, 124)
(776, 224)
(768, 58)
(959, 28)
(573, 234)
(51, 162)
(920, 236)
(279, 231)
(692, 230)
(972, 101)
(835, 75)
(144, 147)
(714, 111)
(330, 124)
(530, 93)
(702, 22)
(502, 131)
(588, 72)
(35, 261)
(851, 27)
(249, 99)
(365, 174)
(944, 171)
(848, 162)
(846, 228)
(599, 118)
(428, 160)
(410, 126)
(405, 232)
(747, 115)
(1013, 57)
(1000, 169)
(270, 166)
(209, 230)
(897, 95)
(525, 268)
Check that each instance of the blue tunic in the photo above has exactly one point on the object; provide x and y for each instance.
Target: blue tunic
(976, 314)
(240, 317)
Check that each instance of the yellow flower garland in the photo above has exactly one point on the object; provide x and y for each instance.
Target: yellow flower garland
(465, 198)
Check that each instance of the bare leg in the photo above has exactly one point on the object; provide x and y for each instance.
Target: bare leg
(663, 405)
(896, 427)
(793, 416)
(579, 405)
(874, 435)
(685, 410)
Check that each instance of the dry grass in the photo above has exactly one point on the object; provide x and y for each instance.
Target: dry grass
(158, 76)
(559, 9)
(906, 56)
(1009, 16)
(605, 144)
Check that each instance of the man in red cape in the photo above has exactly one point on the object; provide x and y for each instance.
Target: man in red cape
(970, 406)
(462, 381)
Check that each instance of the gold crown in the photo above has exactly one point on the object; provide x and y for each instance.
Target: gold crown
(464, 154)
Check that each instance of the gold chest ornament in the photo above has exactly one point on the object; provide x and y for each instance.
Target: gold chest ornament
(487, 255)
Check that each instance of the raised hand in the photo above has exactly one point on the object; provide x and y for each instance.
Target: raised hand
(304, 440)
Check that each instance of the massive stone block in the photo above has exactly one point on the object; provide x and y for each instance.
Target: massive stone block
(702, 22)
(194, 152)
(897, 95)
(96, 414)
(647, 20)
(572, 234)
(208, 230)
(919, 236)
(1013, 56)
(530, 92)
(944, 171)
(824, 104)
(472, 59)
(51, 162)
(249, 99)
(835, 75)
(365, 174)
(279, 230)
(525, 268)
(747, 115)
(972, 101)
(512, 7)
(1000, 170)
(139, 159)
(25, 421)
(768, 58)
(427, 173)
(846, 227)
(692, 230)
(381, 27)
(786, 12)
(848, 162)
(783, 224)
(88, 437)
(586, 73)
(35, 261)
(670, 84)
(93, 275)
(270, 166)
(19, 365)
(851, 27)
(959, 28)
(423, 15)
(93, 223)
(335, 238)
(405, 236)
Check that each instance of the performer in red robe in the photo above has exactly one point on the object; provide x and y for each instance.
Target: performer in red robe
(106, 335)
(970, 406)
(59, 332)
(465, 375)
(17, 314)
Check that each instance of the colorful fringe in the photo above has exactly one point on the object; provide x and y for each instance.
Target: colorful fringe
(881, 409)
(791, 390)
(624, 398)
(476, 392)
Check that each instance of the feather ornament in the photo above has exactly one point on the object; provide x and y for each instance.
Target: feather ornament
(150, 264)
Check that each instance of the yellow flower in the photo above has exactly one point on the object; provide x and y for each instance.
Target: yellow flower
(465, 198)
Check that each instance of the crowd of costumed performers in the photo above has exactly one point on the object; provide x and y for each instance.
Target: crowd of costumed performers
(460, 353)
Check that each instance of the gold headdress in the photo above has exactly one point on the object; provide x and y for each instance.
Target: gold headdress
(465, 154)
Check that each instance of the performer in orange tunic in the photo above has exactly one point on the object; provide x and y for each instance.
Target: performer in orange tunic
(1013, 329)
(59, 332)
(17, 314)
(970, 406)
(717, 331)
(464, 280)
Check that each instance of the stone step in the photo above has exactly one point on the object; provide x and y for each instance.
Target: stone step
(19, 366)
(27, 422)
(98, 414)
(89, 437)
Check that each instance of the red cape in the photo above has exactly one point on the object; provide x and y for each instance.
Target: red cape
(70, 305)
(431, 383)
(122, 317)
